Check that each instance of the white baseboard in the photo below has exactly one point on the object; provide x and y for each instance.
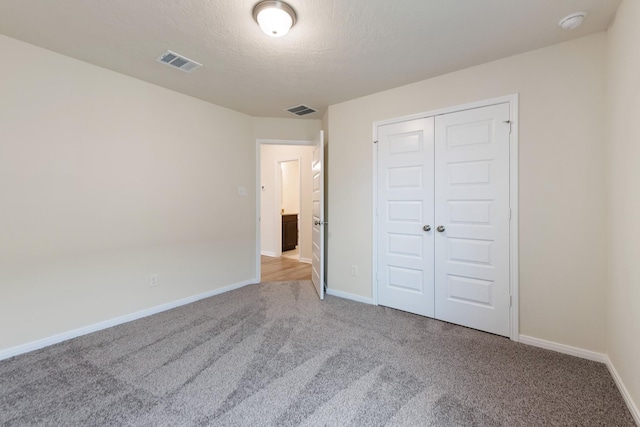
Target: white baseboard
(590, 355)
(563, 348)
(55, 339)
(347, 295)
(269, 253)
(306, 260)
(633, 408)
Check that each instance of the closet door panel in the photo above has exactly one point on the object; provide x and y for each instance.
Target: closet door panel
(405, 207)
(472, 209)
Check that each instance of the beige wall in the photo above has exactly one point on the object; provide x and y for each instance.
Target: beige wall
(105, 180)
(562, 195)
(290, 187)
(270, 219)
(622, 224)
(288, 129)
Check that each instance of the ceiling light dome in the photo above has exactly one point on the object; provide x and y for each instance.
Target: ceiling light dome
(573, 21)
(274, 17)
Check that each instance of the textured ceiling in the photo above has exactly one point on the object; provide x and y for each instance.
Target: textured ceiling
(338, 50)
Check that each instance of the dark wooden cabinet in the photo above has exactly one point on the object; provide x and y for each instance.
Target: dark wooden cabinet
(289, 231)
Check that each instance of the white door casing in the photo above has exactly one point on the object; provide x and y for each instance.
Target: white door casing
(469, 263)
(259, 198)
(405, 216)
(317, 251)
(472, 204)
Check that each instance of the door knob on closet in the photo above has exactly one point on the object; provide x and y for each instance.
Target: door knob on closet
(440, 228)
(427, 228)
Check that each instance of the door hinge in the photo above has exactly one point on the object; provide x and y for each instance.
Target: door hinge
(509, 123)
(510, 300)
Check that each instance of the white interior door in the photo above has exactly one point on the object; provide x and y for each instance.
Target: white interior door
(317, 238)
(472, 218)
(405, 216)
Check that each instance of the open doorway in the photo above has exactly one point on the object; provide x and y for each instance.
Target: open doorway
(284, 225)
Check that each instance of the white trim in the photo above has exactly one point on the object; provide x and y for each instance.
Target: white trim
(447, 110)
(258, 208)
(589, 355)
(514, 252)
(347, 295)
(269, 253)
(374, 222)
(563, 348)
(259, 142)
(284, 141)
(633, 408)
(55, 339)
(306, 260)
(514, 256)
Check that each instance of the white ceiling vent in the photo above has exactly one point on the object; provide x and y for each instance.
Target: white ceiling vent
(301, 110)
(178, 61)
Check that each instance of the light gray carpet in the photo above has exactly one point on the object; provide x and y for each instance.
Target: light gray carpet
(273, 354)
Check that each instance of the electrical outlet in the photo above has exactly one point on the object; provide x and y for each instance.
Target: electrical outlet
(153, 280)
(354, 270)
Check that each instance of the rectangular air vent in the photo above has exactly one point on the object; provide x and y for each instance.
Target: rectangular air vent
(301, 110)
(178, 61)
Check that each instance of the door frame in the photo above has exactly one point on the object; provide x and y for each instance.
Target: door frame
(514, 283)
(259, 143)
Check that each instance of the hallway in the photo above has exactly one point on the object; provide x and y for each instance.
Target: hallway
(276, 269)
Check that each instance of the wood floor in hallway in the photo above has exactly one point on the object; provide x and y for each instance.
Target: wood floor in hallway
(276, 269)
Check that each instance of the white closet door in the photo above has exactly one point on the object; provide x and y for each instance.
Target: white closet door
(472, 207)
(405, 207)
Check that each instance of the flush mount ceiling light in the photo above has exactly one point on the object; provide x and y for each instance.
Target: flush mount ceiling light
(274, 17)
(573, 21)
